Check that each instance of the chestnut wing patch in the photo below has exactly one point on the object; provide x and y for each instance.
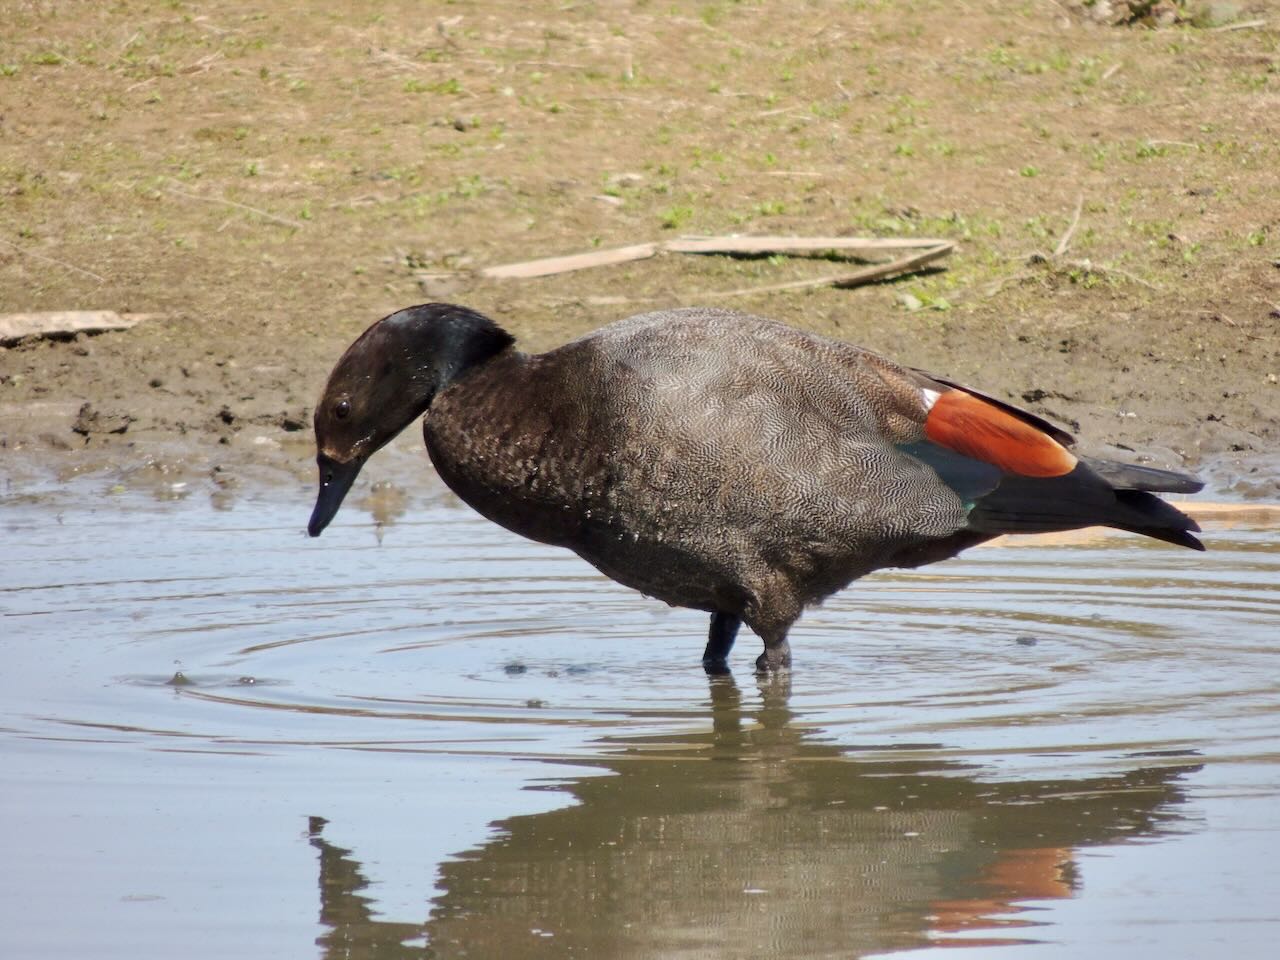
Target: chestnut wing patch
(976, 428)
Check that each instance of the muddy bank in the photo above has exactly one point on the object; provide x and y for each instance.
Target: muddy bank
(264, 187)
(150, 412)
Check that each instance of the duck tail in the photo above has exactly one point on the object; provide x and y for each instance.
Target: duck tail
(1130, 476)
(1087, 497)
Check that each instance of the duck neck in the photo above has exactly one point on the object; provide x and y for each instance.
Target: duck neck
(462, 339)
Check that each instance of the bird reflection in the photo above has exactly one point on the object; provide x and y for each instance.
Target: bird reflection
(759, 837)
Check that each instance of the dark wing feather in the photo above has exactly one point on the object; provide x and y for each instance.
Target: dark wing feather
(1080, 498)
(1128, 476)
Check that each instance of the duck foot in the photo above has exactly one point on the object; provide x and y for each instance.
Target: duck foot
(716, 668)
(775, 657)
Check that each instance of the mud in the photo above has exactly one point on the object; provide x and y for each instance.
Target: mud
(268, 185)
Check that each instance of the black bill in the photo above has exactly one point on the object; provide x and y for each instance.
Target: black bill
(335, 480)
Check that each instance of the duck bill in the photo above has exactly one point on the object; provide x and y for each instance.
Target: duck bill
(335, 480)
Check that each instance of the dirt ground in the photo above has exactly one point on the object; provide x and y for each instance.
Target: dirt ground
(268, 181)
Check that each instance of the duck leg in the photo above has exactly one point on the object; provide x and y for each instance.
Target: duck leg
(724, 629)
(773, 608)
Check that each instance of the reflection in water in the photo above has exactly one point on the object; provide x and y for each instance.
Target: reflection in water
(353, 932)
(758, 838)
(386, 503)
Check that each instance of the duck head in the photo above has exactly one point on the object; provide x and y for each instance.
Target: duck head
(386, 379)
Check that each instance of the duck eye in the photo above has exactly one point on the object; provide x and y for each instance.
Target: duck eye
(342, 409)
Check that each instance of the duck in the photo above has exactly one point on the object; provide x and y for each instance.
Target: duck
(717, 460)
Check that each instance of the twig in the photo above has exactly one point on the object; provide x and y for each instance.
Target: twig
(879, 271)
(53, 260)
(801, 244)
(858, 278)
(400, 61)
(579, 261)
(1243, 25)
(551, 64)
(1065, 242)
(1110, 72)
(883, 271)
(283, 221)
(549, 266)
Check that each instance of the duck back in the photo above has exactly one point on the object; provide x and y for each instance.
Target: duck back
(702, 456)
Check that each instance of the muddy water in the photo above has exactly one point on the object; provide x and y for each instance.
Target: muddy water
(419, 736)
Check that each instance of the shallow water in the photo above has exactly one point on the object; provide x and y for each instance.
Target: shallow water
(424, 737)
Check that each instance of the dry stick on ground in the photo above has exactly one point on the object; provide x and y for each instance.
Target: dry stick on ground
(765, 245)
(283, 221)
(1065, 242)
(857, 278)
(549, 266)
(391, 56)
(1243, 25)
(64, 323)
(728, 245)
(60, 263)
(921, 252)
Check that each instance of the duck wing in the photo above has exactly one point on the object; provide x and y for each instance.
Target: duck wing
(1019, 475)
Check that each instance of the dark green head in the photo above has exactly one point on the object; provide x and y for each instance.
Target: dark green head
(386, 379)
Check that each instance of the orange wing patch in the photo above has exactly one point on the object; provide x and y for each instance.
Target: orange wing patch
(968, 425)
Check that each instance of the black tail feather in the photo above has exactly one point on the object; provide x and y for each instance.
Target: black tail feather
(1085, 497)
(1130, 476)
(1166, 522)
